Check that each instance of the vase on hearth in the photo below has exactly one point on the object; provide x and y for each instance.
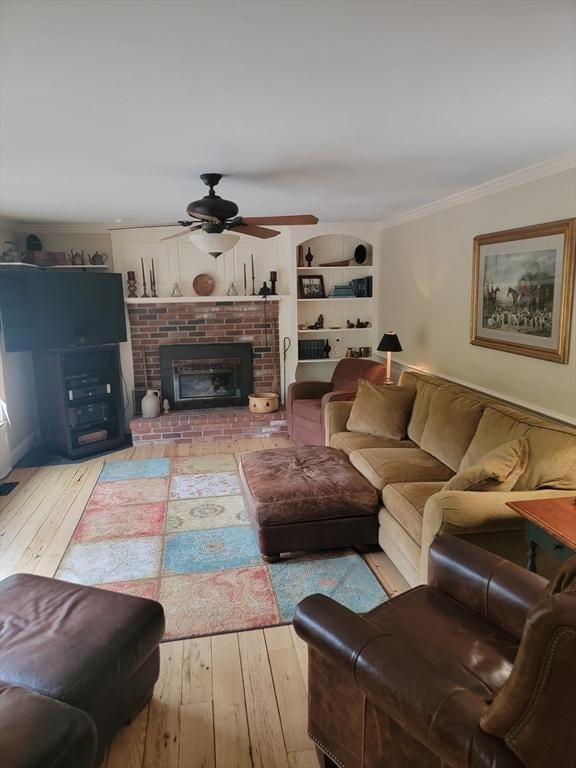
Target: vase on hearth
(151, 404)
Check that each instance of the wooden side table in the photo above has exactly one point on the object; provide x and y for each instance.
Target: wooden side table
(549, 524)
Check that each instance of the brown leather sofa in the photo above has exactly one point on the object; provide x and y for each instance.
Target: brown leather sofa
(475, 670)
(76, 664)
(306, 400)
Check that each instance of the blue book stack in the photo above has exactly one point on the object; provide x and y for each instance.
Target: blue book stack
(342, 291)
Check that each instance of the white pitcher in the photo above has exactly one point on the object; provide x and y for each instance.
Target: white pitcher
(151, 404)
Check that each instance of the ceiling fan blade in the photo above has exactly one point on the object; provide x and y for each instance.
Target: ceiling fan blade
(142, 226)
(251, 229)
(182, 234)
(280, 220)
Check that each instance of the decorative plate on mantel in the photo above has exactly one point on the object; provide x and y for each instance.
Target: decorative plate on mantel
(204, 284)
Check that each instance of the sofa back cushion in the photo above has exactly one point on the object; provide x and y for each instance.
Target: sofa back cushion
(551, 446)
(381, 411)
(452, 420)
(425, 386)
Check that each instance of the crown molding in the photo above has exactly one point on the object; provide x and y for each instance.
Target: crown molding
(515, 179)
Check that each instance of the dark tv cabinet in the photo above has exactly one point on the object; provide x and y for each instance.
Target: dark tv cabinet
(80, 402)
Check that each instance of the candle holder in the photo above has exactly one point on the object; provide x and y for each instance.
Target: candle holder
(273, 281)
(132, 286)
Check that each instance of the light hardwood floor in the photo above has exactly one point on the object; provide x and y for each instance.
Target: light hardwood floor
(228, 701)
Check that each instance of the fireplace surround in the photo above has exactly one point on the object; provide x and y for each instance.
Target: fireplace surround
(206, 375)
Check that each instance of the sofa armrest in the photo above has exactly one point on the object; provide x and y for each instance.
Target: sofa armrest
(496, 589)
(393, 677)
(302, 390)
(337, 395)
(335, 416)
(334, 631)
(465, 512)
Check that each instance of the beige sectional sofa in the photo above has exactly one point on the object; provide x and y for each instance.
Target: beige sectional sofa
(450, 429)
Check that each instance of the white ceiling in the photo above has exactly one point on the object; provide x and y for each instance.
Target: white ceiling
(351, 110)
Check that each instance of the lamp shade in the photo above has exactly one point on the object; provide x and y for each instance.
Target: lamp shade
(390, 343)
(214, 244)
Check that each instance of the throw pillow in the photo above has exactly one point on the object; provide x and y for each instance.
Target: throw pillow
(381, 411)
(499, 470)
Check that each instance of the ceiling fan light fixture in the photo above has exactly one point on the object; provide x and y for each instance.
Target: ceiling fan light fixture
(214, 244)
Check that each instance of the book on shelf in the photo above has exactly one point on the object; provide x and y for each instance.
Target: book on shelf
(311, 349)
(362, 287)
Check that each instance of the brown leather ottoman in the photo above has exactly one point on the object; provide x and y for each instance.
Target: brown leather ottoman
(37, 731)
(90, 648)
(307, 498)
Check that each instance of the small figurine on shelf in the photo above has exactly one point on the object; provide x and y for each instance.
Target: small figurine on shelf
(309, 257)
(166, 405)
(176, 291)
(349, 324)
(264, 291)
(327, 349)
(232, 290)
(132, 285)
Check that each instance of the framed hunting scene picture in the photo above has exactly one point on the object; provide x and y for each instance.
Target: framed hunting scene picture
(522, 290)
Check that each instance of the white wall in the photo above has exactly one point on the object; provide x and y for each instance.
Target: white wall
(20, 392)
(426, 288)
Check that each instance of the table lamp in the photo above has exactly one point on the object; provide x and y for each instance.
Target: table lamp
(389, 343)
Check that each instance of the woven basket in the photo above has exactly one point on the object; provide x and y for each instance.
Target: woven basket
(263, 402)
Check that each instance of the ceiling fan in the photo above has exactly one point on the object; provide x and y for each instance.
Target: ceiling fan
(214, 215)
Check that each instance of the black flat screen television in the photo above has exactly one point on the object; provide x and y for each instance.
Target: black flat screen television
(57, 309)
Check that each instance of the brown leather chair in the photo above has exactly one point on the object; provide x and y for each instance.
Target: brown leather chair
(475, 670)
(306, 400)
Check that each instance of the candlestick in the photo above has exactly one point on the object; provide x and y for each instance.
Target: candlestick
(245, 284)
(145, 294)
(132, 293)
(153, 274)
(253, 287)
(273, 279)
(153, 280)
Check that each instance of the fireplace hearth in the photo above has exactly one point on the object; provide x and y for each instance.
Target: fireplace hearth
(206, 375)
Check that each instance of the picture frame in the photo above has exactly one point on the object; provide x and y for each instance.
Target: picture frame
(523, 290)
(311, 287)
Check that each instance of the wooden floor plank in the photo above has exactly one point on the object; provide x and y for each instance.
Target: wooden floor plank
(162, 747)
(301, 650)
(387, 573)
(44, 535)
(290, 689)
(232, 742)
(127, 749)
(197, 735)
(197, 670)
(20, 476)
(49, 559)
(266, 735)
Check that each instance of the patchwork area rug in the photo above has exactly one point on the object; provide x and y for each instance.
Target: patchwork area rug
(176, 530)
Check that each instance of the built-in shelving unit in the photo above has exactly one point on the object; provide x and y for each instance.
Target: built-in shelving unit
(335, 310)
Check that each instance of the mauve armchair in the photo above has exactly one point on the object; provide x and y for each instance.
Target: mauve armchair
(306, 400)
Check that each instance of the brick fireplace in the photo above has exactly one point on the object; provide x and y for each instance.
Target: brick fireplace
(201, 323)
